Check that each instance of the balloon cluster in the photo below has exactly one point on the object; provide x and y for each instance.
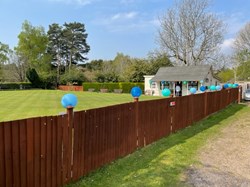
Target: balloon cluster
(229, 85)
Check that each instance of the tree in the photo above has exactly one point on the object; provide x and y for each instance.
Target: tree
(4, 57)
(190, 33)
(32, 47)
(16, 69)
(242, 41)
(241, 55)
(156, 61)
(55, 47)
(74, 43)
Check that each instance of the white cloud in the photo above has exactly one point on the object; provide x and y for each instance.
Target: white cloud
(127, 22)
(227, 46)
(79, 2)
(122, 16)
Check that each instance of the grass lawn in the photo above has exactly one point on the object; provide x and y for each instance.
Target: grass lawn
(32, 103)
(162, 163)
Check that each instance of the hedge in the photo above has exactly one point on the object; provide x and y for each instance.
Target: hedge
(125, 86)
(15, 85)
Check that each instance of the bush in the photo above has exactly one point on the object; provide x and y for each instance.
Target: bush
(73, 77)
(15, 85)
(125, 86)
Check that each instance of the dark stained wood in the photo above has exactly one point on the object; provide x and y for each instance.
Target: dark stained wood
(8, 154)
(23, 152)
(2, 157)
(37, 152)
(43, 156)
(49, 151)
(16, 153)
(30, 152)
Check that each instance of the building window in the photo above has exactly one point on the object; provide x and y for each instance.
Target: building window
(193, 84)
(164, 84)
(153, 85)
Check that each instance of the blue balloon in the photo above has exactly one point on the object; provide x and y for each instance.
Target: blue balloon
(69, 100)
(202, 88)
(218, 87)
(136, 91)
(212, 87)
(225, 86)
(166, 92)
(236, 85)
(193, 90)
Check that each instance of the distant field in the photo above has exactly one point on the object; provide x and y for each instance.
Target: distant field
(32, 103)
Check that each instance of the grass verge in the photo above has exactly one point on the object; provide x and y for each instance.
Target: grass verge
(163, 162)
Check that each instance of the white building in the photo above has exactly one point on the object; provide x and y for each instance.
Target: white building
(179, 79)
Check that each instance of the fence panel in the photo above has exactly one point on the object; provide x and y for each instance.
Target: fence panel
(153, 120)
(181, 113)
(109, 134)
(198, 101)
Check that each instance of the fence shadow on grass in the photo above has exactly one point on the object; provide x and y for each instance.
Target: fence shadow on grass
(162, 162)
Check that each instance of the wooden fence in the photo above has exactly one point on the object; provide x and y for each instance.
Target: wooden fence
(70, 88)
(55, 150)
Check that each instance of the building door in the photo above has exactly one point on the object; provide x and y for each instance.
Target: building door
(178, 88)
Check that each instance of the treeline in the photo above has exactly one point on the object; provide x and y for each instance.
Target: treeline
(46, 59)
(59, 56)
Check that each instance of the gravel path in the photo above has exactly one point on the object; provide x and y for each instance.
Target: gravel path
(225, 160)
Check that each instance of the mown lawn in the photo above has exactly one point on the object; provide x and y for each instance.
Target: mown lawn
(162, 163)
(32, 103)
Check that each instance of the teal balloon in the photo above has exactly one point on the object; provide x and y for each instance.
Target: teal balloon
(193, 90)
(234, 86)
(202, 88)
(212, 87)
(166, 92)
(230, 85)
(69, 100)
(136, 91)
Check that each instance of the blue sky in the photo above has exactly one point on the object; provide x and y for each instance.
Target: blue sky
(127, 26)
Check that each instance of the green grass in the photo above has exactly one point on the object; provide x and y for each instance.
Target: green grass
(32, 103)
(163, 162)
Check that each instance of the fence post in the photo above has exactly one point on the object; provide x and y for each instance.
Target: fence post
(205, 104)
(239, 94)
(136, 93)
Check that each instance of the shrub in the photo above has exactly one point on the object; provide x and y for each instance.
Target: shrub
(125, 86)
(15, 85)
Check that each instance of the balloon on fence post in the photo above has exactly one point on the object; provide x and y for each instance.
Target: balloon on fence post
(193, 90)
(218, 87)
(166, 92)
(69, 101)
(136, 93)
(203, 88)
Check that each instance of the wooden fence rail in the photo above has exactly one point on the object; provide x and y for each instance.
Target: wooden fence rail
(53, 151)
